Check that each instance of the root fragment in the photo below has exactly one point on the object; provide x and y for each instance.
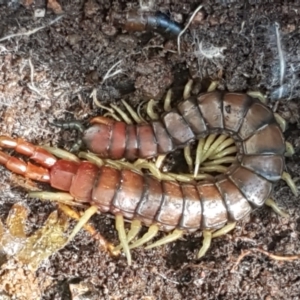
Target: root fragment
(268, 254)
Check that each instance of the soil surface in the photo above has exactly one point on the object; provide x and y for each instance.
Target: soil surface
(49, 67)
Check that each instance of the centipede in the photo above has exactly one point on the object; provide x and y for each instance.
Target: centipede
(176, 205)
(159, 22)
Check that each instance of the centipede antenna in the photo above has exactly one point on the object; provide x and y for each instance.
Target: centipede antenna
(271, 203)
(175, 235)
(149, 235)
(207, 237)
(83, 220)
(122, 237)
(133, 114)
(186, 27)
(290, 182)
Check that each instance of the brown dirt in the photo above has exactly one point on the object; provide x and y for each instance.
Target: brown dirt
(232, 41)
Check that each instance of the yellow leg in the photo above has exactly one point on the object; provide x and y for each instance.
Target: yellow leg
(149, 235)
(227, 151)
(159, 160)
(213, 86)
(271, 203)
(213, 147)
(60, 197)
(135, 228)
(188, 157)
(214, 168)
(89, 228)
(207, 237)
(122, 237)
(289, 149)
(289, 181)
(255, 94)
(199, 153)
(92, 158)
(224, 145)
(133, 114)
(61, 153)
(175, 235)
(150, 110)
(208, 142)
(122, 114)
(224, 230)
(83, 220)
(281, 122)
(220, 161)
(167, 102)
(187, 89)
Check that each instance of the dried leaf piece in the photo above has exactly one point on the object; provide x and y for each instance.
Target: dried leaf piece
(16, 220)
(12, 238)
(45, 241)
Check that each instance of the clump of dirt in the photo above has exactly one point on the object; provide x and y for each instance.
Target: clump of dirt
(49, 67)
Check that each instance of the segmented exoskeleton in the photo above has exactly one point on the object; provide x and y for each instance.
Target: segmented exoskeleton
(161, 204)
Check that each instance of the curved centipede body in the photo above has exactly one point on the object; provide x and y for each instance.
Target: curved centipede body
(170, 205)
(259, 139)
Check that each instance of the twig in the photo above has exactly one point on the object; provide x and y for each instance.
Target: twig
(186, 27)
(30, 32)
(270, 255)
(32, 85)
(281, 58)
